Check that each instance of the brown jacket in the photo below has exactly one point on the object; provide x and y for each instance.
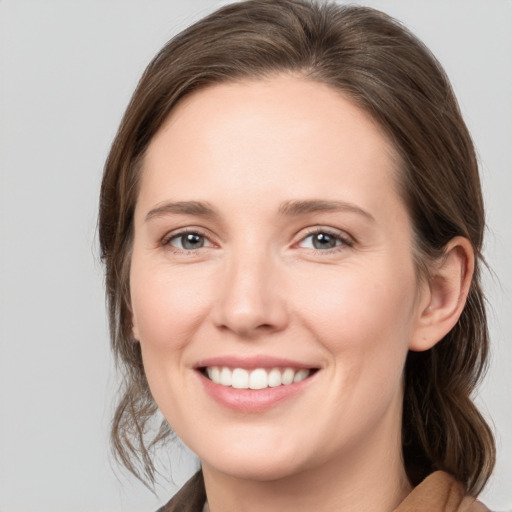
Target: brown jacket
(439, 492)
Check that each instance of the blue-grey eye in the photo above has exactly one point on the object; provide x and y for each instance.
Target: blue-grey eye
(324, 241)
(188, 241)
(321, 241)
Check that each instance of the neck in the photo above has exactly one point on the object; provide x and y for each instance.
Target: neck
(372, 479)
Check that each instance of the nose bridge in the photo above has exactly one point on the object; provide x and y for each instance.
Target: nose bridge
(250, 300)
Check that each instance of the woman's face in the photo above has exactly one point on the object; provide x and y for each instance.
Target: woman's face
(271, 245)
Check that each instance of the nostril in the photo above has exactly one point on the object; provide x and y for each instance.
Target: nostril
(250, 302)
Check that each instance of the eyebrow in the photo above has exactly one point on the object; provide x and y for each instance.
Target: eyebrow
(288, 208)
(295, 208)
(184, 208)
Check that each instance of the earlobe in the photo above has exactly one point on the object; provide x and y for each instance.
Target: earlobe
(445, 294)
(135, 329)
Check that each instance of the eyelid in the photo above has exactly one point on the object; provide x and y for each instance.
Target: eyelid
(345, 239)
(177, 233)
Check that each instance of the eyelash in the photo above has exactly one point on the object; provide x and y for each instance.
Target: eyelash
(344, 241)
(166, 241)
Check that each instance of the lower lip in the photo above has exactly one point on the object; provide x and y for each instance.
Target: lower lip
(252, 400)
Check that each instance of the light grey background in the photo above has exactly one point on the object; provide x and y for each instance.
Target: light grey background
(67, 69)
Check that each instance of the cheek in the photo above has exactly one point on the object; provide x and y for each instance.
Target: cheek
(364, 318)
(351, 301)
(168, 309)
(167, 305)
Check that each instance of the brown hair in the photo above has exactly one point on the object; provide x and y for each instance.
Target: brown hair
(391, 75)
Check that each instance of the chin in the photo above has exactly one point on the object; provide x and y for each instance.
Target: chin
(258, 462)
(266, 470)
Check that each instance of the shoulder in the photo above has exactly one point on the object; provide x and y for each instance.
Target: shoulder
(439, 492)
(470, 504)
(442, 493)
(190, 498)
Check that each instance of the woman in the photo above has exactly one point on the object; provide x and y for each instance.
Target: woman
(291, 222)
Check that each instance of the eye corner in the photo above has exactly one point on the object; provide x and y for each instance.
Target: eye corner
(327, 240)
(187, 241)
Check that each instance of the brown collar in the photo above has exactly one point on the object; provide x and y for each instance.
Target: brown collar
(439, 492)
(190, 498)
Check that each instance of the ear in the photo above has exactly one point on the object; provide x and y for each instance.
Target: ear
(135, 329)
(444, 295)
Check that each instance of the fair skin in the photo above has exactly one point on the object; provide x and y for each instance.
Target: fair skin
(297, 253)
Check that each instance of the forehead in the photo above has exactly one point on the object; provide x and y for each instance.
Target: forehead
(290, 134)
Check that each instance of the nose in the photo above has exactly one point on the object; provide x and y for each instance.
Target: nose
(251, 299)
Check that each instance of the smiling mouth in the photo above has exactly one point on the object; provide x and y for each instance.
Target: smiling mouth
(258, 378)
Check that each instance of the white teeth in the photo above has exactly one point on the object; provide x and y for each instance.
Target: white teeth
(259, 378)
(215, 376)
(300, 375)
(225, 377)
(274, 378)
(287, 377)
(240, 378)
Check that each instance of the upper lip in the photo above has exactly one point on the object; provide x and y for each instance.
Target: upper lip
(252, 362)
